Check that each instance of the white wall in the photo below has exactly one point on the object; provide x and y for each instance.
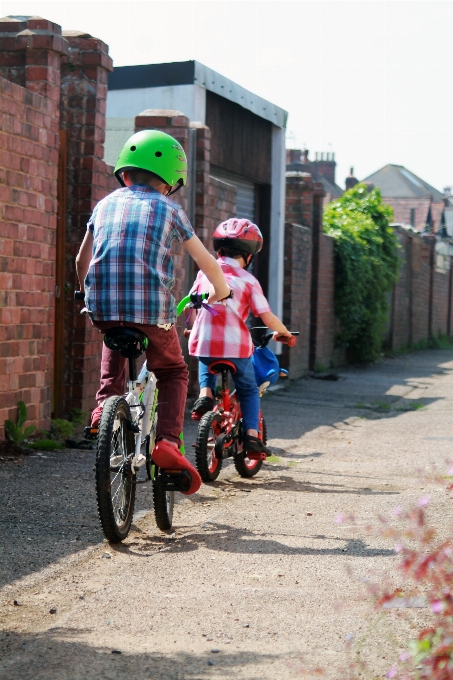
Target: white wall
(189, 99)
(277, 226)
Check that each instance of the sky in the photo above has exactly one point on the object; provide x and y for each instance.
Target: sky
(370, 81)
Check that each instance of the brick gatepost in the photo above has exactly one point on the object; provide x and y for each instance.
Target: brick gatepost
(88, 179)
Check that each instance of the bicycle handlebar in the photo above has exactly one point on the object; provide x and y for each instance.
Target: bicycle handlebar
(194, 300)
(284, 339)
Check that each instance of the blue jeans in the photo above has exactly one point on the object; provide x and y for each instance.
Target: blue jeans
(245, 383)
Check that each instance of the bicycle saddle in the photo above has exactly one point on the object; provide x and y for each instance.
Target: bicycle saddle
(219, 365)
(129, 341)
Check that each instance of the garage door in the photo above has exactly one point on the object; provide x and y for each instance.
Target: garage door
(245, 192)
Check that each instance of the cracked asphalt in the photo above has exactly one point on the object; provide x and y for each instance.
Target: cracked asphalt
(256, 581)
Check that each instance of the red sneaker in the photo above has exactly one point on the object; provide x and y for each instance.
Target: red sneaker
(168, 457)
(96, 416)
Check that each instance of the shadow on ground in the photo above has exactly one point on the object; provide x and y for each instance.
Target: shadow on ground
(46, 656)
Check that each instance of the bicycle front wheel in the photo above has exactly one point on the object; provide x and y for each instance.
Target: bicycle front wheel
(115, 483)
(164, 503)
(245, 466)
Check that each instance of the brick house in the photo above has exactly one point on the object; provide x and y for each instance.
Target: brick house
(413, 200)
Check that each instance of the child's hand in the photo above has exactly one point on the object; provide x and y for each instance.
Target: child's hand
(278, 335)
(286, 338)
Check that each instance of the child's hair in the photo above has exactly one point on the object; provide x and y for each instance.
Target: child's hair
(139, 176)
(225, 251)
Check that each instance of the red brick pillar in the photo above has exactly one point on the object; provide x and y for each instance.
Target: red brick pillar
(83, 102)
(30, 53)
(203, 220)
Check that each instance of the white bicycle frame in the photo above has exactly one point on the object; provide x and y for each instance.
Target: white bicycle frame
(142, 399)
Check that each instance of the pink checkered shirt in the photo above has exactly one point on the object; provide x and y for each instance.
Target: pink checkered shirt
(227, 335)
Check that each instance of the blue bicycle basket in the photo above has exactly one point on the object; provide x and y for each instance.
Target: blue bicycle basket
(265, 363)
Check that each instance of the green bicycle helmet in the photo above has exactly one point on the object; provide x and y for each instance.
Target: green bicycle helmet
(155, 152)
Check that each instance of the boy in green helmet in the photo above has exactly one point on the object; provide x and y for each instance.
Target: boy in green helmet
(125, 268)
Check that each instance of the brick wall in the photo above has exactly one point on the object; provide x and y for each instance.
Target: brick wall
(421, 296)
(440, 302)
(400, 320)
(325, 329)
(28, 191)
(296, 296)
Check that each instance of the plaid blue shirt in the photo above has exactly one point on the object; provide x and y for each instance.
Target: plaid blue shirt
(131, 271)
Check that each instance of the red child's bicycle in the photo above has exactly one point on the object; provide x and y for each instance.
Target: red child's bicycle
(220, 430)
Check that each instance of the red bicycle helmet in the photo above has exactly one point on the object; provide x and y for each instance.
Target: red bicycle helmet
(238, 233)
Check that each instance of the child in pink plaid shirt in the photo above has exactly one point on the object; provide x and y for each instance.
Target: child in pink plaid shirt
(226, 336)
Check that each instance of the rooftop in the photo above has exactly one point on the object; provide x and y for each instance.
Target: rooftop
(395, 181)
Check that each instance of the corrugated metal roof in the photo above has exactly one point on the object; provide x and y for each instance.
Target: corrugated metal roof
(196, 73)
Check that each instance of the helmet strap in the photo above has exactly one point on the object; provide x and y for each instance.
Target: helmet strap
(176, 188)
(249, 263)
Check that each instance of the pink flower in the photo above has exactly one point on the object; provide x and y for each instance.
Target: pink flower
(423, 501)
(437, 606)
(393, 672)
(339, 519)
(398, 547)
(403, 656)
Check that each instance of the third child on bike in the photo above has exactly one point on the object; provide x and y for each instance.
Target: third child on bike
(225, 335)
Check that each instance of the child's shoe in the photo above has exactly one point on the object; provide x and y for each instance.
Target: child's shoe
(202, 406)
(167, 457)
(255, 445)
(96, 416)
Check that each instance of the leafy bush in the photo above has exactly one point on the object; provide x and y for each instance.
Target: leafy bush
(77, 416)
(366, 267)
(45, 444)
(15, 433)
(61, 429)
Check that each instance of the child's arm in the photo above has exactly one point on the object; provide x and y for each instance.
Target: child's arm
(274, 323)
(83, 259)
(209, 266)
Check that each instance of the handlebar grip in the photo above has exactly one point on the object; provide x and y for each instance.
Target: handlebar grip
(78, 295)
(290, 341)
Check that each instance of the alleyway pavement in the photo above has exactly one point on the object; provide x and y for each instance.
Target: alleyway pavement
(257, 581)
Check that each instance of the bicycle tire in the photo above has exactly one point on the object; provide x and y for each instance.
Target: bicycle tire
(207, 464)
(164, 503)
(252, 467)
(115, 437)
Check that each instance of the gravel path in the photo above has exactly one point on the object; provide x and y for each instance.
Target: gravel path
(257, 581)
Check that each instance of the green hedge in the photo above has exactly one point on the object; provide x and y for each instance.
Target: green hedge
(366, 267)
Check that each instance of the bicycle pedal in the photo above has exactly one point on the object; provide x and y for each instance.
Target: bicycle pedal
(174, 480)
(255, 456)
(91, 432)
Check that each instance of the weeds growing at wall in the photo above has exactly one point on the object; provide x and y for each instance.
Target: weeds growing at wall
(366, 267)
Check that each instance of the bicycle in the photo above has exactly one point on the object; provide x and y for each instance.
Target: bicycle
(219, 433)
(125, 440)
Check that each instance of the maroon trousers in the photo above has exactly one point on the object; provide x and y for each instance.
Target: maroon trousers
(164, 358)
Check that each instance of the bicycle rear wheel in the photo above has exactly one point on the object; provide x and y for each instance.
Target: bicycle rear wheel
(246, 467)
(115, 483)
